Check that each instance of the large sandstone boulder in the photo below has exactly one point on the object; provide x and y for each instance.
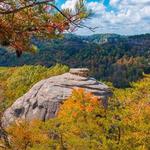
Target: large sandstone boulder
(44, 98)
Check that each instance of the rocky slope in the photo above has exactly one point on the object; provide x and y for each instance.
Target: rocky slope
(43, 99)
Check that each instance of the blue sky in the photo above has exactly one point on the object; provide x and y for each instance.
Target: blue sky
(126, 17)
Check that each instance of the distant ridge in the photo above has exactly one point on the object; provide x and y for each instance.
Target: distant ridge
(106, 55)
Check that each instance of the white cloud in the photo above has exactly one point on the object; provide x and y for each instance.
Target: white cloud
(135, 2)
(114, 2)
(127, 3)
(69, 4)
(96, 7)
(145, 12)
(126, 16)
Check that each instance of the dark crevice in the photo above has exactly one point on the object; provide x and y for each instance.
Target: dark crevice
(19, 111)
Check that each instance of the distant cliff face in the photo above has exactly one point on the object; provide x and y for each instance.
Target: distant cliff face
(43, 100)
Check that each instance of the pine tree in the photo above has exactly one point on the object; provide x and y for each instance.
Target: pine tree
(22, 20)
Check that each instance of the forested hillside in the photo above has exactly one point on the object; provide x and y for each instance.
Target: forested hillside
(64, 86)
(82, 122)
(16, 81)
(110, 57)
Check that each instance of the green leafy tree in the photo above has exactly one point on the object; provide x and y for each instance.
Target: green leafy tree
(133, 112)
(16, 81)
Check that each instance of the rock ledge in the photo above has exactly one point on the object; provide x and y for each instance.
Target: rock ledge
(43, 100)
(83, 72)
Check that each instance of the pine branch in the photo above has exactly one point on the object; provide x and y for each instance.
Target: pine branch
(24, 7)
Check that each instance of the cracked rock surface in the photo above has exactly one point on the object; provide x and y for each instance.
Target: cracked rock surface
(43, 100)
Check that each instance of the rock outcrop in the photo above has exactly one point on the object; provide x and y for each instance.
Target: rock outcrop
(44, 98)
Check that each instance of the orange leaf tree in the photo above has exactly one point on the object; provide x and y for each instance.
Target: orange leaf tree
(21, 20)
(81, 123)
(24, 136)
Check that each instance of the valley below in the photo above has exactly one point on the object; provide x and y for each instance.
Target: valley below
(109, 57)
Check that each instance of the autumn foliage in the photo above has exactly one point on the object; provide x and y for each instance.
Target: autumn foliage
(80, 101)
(21, 20)
(83, 123)
(24, 135)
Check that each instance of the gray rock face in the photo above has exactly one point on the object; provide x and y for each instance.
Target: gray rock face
(44, 98)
